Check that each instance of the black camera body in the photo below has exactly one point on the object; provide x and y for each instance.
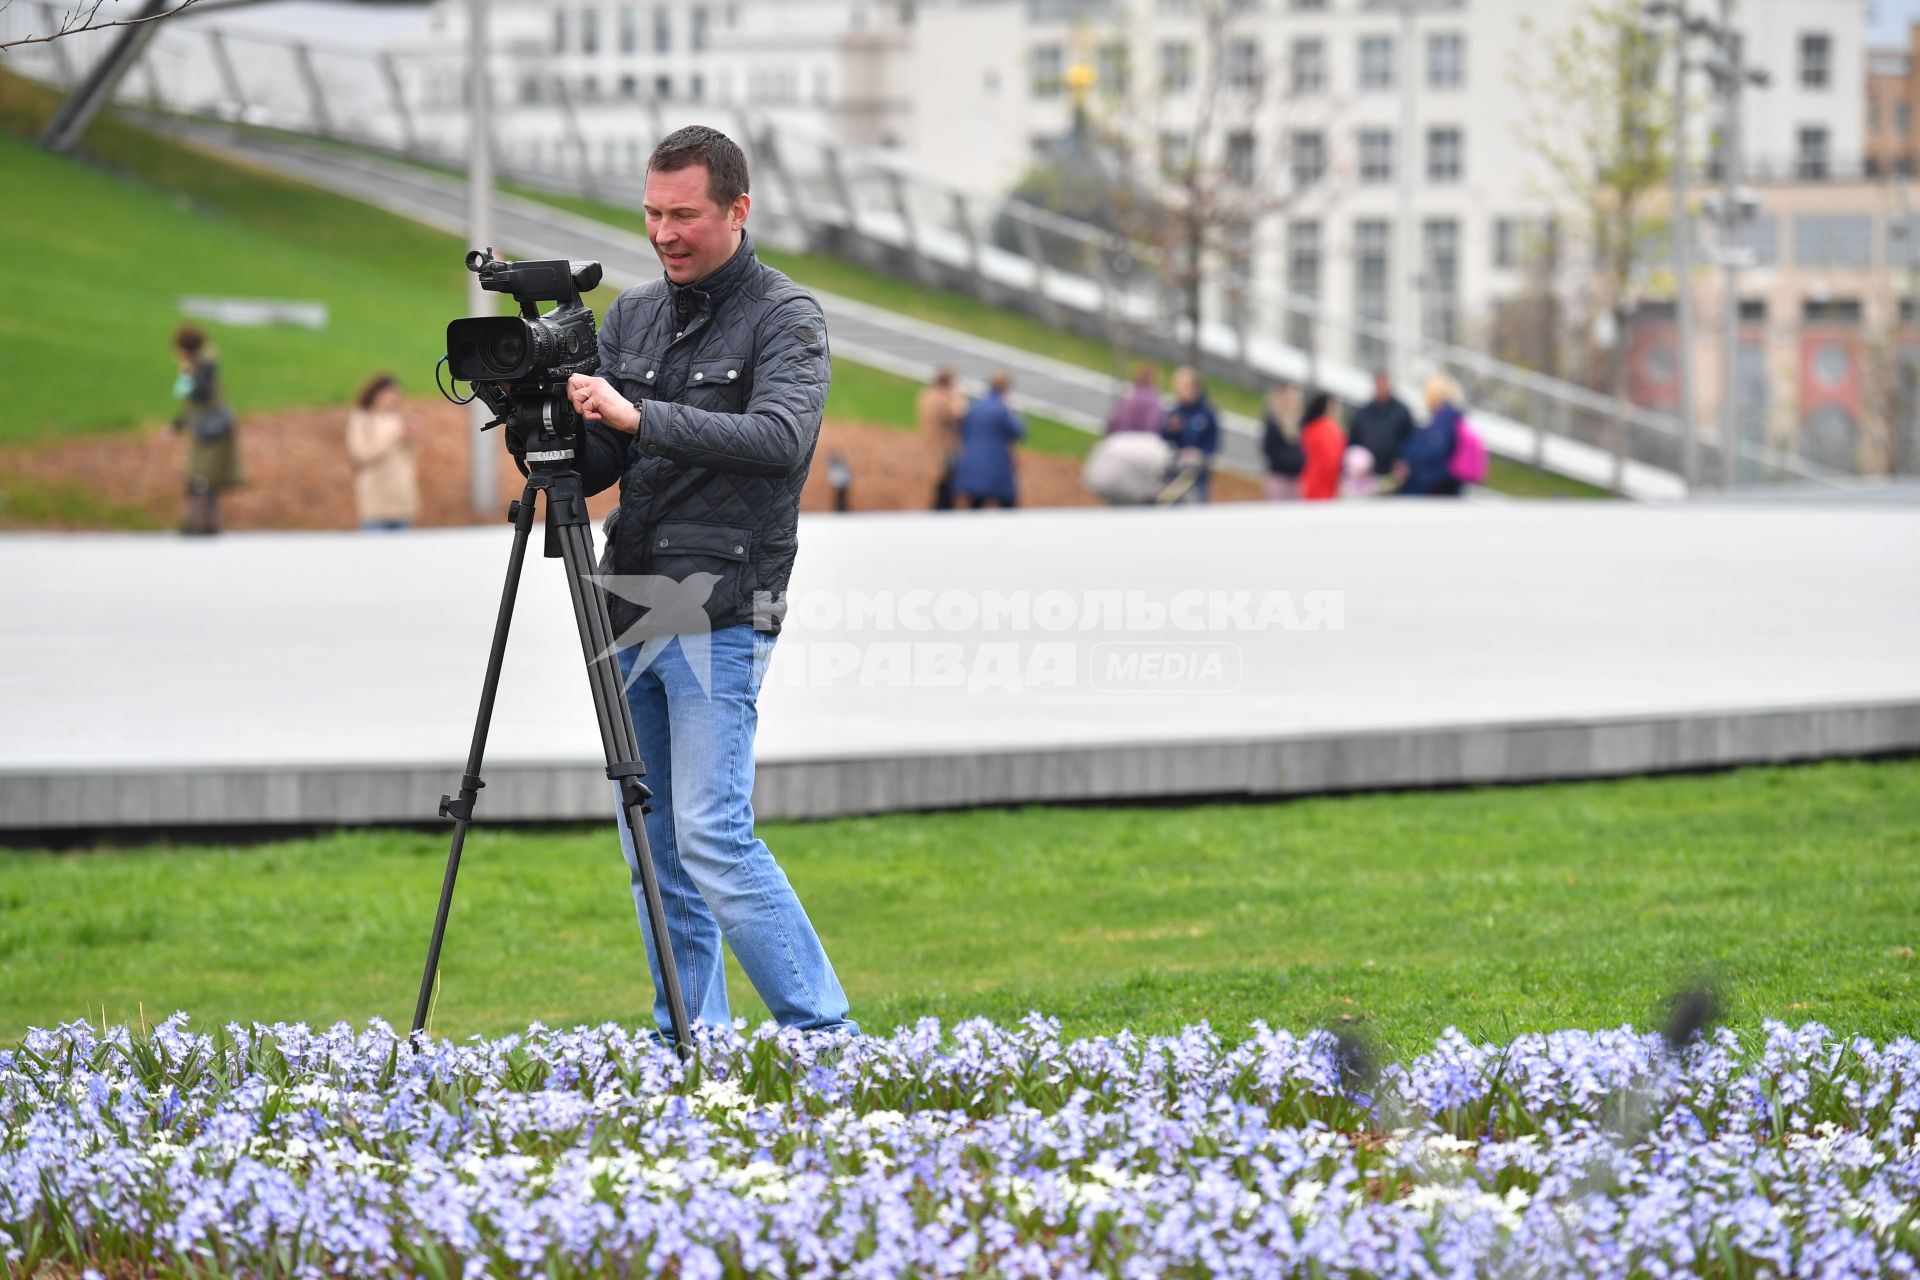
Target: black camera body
(519, 365)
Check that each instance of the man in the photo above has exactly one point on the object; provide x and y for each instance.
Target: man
(706, 412)
(1382, 426)
(984, 471)
(1193, 429)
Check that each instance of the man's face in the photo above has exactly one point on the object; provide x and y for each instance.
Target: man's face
(692, 234)
(1381, 387)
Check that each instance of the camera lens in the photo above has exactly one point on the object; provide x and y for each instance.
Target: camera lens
(507, 348)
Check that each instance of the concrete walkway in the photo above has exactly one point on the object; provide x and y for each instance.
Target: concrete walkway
(148, 679)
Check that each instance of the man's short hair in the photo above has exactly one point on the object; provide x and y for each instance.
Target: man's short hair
(698, 144)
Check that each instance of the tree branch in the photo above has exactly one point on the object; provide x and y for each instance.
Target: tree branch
(73, 24)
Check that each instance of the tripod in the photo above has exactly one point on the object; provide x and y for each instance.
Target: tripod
(570, 539)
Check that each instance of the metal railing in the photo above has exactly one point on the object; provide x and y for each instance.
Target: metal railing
(868, 205)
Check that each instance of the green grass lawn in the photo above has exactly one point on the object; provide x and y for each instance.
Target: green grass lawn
(151, 220)
(1796, 890)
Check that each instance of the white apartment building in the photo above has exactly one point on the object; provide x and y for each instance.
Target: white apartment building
(822, 68)
(1391, 131)
(1393, 126)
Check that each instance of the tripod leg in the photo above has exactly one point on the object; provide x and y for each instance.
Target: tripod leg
(460, 808)
(622, 749)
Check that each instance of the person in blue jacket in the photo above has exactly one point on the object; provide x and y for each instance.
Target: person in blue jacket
(988, 430)
(1193, 428)
(1426, 461)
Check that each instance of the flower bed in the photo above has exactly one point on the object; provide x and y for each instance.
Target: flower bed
(965, 1151)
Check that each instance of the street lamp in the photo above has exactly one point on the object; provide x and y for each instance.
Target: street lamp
(1726, 67)
(1687, 27)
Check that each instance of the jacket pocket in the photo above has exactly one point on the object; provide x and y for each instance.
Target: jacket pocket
(718, 383)
(635, 377)
(685, 550)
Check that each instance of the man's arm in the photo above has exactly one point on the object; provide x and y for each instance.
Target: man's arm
(782, 420)
(603, 451)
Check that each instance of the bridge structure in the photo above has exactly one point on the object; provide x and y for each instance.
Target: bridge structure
(333, 114)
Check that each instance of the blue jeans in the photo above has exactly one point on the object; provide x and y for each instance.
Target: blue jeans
(717, 879)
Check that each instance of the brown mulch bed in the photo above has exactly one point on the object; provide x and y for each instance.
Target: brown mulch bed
(298, 476)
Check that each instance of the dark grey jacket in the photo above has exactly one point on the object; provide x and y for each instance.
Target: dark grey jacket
(730, 373)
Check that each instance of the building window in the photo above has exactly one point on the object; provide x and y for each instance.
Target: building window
(1446, 60)
(1376, 156)
(559, 30)
(1308, 6)
(1176, 66)
(1376, 62)
(1046, 65)
(1243, 66)
(1303, 277)
(629, 30)
(1444, 160)
(696, 86)
(1760, 237)
(1175, 8)
(1309, 65)
(663, 87)
(662, 30)
(1516, 240)
(1440, 277)
(1307, 157)
(1370, 302)
(1111, 69)
(1902, 118)
(697, 36)
(1176, 150)
(1240, 157)
(629, 87)
(1812, 160)
(589, 31)
(590, 88)
(1833, 240)
(1816, 60)
(1901, 244)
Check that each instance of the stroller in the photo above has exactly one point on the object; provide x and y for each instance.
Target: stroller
(1138, 469)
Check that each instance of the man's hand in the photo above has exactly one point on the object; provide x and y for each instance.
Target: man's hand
(596, 400)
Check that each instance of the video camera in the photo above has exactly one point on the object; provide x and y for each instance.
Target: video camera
(519, 365)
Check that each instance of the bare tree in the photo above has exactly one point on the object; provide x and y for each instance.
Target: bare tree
(1219, 170)
(1604, 132)
(1191, 161)
(85, 16)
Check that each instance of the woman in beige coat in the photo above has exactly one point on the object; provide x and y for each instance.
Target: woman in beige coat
(938, 411)
(380, 442)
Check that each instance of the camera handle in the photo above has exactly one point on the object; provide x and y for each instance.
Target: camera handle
(570, 538)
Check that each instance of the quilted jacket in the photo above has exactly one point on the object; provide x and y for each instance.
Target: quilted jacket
(730, 373)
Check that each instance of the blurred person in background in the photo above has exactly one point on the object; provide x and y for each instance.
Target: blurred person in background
(1425, 468)
(1280, 442)
(1193, 429)
(213, 454)
(985, 473)
(380, 444)
(1323, 443)
(938, 411)
(1140, 409)
(1357, 479)
(1382, 426)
